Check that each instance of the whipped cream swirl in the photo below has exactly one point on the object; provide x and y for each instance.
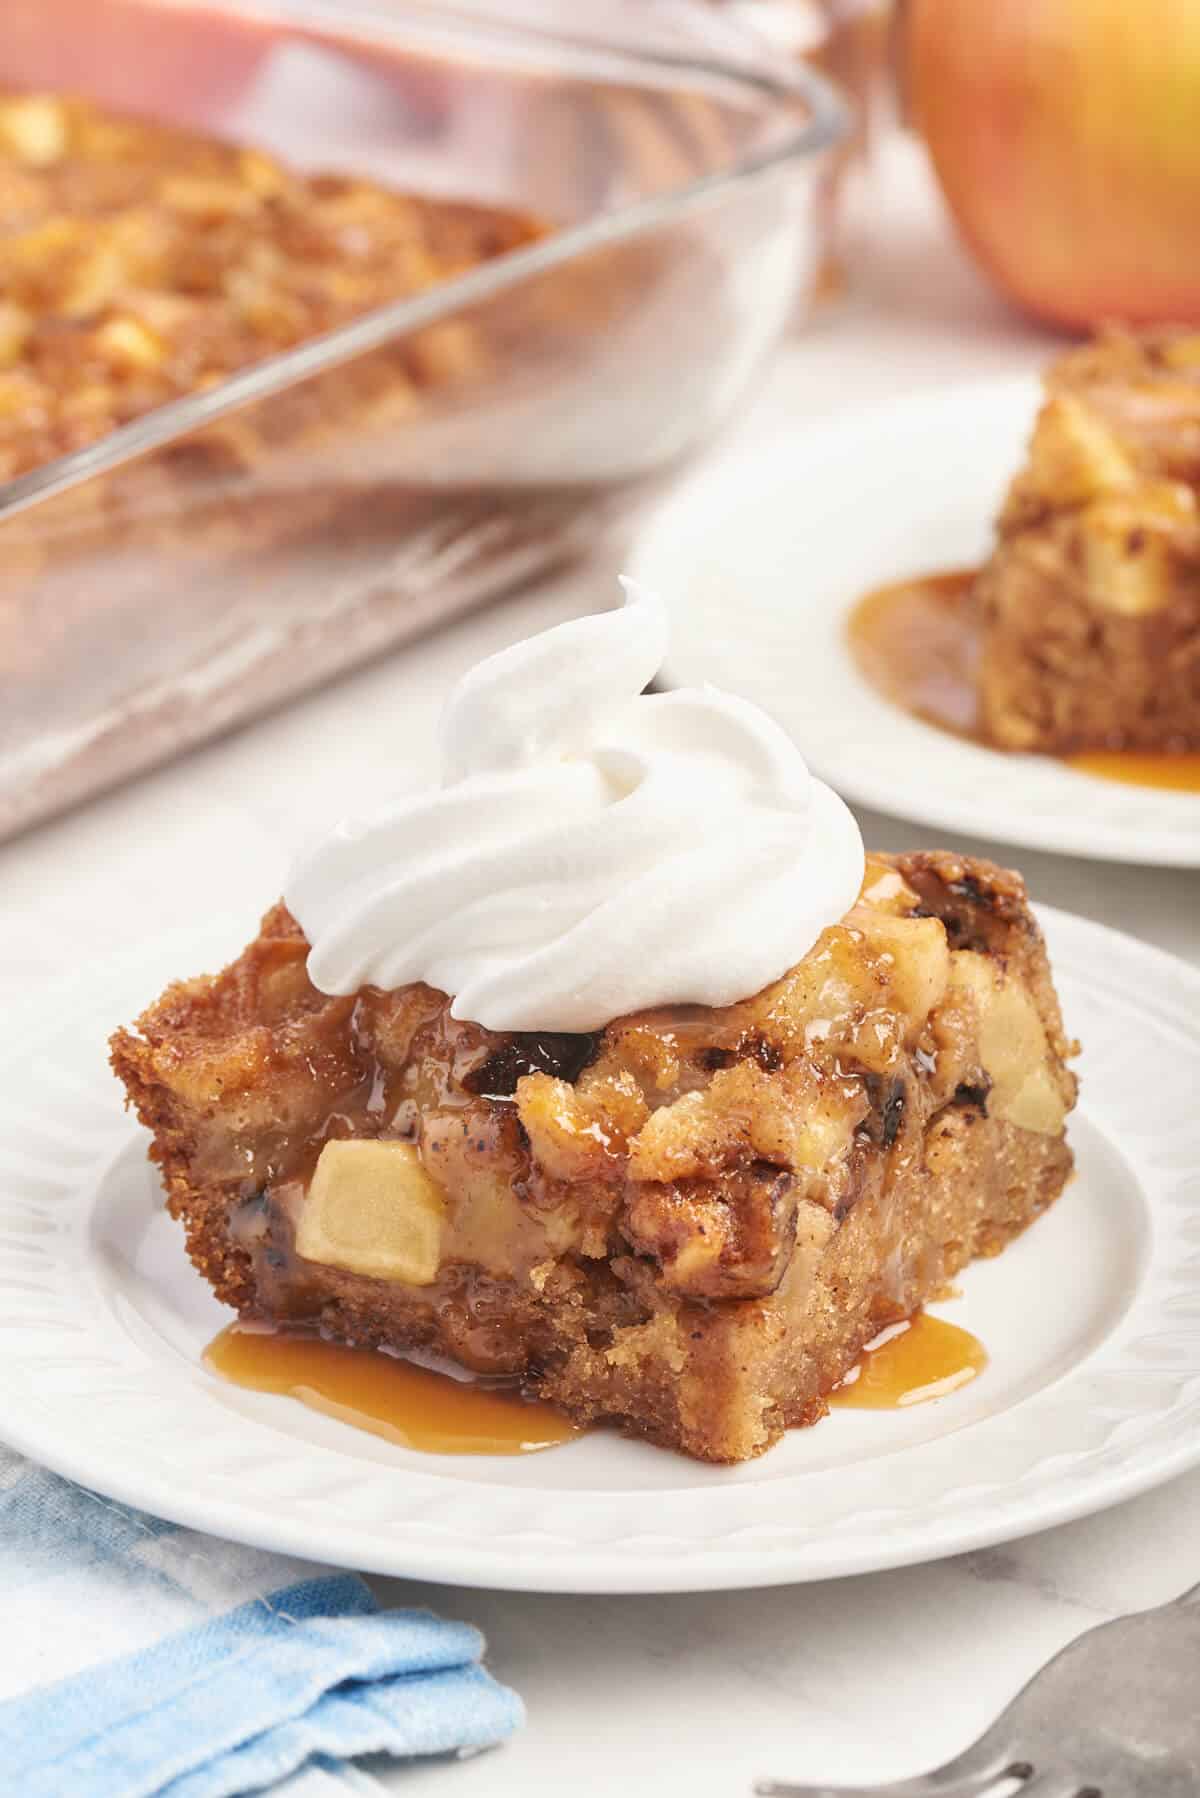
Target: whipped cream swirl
(592, 850)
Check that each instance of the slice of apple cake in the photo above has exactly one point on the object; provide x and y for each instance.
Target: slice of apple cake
(690, 1220)
(1089, 608)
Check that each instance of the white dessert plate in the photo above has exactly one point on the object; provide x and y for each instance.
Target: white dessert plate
(1091, 1320)
(761, 557)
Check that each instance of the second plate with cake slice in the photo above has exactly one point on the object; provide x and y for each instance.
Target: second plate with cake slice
(772, 551)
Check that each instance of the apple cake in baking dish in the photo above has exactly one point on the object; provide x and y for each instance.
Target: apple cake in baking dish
(613, 1064)
(140, 262)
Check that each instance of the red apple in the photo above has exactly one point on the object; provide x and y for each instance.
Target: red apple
(1066, 136)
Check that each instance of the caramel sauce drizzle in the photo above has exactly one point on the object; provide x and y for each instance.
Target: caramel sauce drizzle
(415, 1407)
(916, 642)
(406, 1404)
(922, 1359)
(1180, 771)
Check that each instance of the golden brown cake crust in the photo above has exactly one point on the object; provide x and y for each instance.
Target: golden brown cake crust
(1089, 608)
(691, 1222)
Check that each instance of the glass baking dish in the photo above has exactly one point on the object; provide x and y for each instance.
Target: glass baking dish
(230, 549)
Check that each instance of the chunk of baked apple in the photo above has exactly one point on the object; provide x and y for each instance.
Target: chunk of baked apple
(372, 1209)
(1013, 1047)
(1128, 561)
(1074, 456)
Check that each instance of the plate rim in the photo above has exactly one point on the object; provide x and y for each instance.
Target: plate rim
(537, 1561)
(781, 457)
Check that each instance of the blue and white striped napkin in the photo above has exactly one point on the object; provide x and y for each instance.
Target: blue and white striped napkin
(138, 1658)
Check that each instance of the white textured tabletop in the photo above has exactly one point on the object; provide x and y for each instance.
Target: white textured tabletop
(854, 1680)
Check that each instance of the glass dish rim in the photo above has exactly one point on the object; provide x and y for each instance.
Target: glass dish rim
(827, 121)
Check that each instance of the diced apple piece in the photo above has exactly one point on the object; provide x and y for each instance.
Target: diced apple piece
(489, 1224)
(33, 128)
(372, 1209)
(885, 889)
(127, 340)
(1073, 456)
(834, 983)
(1127, 546)
(918, 958)
(1012, 1047)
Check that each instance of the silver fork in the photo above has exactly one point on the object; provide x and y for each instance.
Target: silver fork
(1116, 1714)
